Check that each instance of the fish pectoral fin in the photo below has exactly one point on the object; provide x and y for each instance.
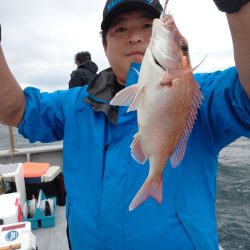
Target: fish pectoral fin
(169, 76)
(125, 96)
(194, 68)
(179, 151)
(136, 150)
(137, 100)
(151, 188)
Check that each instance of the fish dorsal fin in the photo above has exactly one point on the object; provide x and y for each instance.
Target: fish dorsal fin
(125, 96)
(136, 150)
(137, 100)
(180, 149)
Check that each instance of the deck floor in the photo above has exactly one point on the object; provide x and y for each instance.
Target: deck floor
(53, 238)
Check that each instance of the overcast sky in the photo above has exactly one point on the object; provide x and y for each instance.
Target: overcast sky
(40, 38)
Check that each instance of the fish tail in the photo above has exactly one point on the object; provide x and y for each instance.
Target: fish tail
(151, 188)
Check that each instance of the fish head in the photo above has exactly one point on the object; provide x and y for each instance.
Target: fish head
(169, 48)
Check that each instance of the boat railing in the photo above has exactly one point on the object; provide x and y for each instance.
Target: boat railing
(44, 153)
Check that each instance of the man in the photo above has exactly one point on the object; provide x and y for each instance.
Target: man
(85, 72)
(102, 178)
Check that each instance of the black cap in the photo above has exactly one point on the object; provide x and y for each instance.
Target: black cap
(115, 7)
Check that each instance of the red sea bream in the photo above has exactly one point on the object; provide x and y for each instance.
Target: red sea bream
(167, 99)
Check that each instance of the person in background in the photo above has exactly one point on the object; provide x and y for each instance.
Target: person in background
(101, 177)
(85, 72)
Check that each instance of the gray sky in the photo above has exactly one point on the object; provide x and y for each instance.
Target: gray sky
(40, 38)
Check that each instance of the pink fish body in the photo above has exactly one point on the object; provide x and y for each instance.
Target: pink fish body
(166, 98)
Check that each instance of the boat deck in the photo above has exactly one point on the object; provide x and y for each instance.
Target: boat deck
(53, 238)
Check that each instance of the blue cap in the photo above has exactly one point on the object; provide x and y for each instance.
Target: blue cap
(114, 7)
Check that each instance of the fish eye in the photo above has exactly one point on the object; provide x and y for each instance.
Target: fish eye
(184, 48)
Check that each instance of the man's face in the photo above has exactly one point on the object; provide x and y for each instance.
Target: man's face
(127, 39)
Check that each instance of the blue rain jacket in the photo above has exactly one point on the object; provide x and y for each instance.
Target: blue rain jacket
(101, 177)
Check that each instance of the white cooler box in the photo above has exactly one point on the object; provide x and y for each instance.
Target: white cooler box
(10, 208)
(17, 236)
(14, 173)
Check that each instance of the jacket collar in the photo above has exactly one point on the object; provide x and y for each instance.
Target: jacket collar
(102, 89)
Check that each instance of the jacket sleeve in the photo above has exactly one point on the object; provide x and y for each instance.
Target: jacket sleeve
(225, 111)
(45, 113)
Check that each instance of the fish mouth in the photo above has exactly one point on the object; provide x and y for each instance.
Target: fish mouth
(157, 62)
(170, 57)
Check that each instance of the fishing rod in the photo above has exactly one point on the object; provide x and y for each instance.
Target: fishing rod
(163, 14)
(12, 144)
(165, 7)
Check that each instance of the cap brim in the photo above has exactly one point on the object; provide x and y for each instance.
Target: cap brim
(124, 7)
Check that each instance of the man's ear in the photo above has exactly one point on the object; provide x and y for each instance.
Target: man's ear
(105, 47)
